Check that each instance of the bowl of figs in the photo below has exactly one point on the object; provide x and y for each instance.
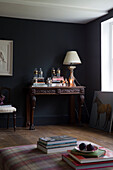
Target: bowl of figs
(83, 147)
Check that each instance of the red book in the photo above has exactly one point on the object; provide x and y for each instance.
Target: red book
(58, 78)
(85, 166)
(80, 157)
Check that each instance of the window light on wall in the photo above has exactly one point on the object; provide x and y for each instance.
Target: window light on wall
(107, 55)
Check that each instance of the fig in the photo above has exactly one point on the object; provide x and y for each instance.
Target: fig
(90, 147)
(82, 146)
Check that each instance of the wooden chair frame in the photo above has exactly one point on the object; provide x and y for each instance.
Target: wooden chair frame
(3, 91)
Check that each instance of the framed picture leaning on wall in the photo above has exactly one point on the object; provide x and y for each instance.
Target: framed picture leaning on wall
(102, 111)
(6, 58)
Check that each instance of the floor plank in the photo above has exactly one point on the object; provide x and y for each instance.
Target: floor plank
(24, 136)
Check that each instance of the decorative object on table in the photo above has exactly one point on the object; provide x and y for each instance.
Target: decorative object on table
(39, 84)
(56, 85)
(102, 111)
(56, 143)
(71, 59)
(40, 72)
(35, 77)
(6, 58)
(58, 72)
(57, 79)
(38, 79)
(66, 81)
(49, 81)
(102, 157)
(53, 73)
(40, 76)
(2, 98)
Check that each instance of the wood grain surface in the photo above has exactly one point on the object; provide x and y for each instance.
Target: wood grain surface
(24, 136)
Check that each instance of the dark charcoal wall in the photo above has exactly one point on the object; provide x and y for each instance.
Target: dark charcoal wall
(93, 57)
(41, 44)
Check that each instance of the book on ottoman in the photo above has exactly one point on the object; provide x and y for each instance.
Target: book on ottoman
(92, 165)
(99, 157)
(55, 148)
(57, 140)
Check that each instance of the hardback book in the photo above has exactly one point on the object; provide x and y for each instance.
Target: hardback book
(56, 84)
(40, 79)
(40, 84)
(92, 165)
(58, 78)
(57, 145)
(94, 154)
(53, 150)
(102, 154)
(57, 139)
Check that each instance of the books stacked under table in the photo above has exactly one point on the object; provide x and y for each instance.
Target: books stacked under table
(101, 158)
(56, 143)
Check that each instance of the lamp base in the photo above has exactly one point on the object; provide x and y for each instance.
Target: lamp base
(71, 77)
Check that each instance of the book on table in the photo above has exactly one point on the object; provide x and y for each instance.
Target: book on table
(85, 166)
(57, 140)
(55, 79)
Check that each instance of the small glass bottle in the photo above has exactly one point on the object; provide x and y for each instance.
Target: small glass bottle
(66, 81)
(53, 74)
(35, 72)
(58, 72)
(49, 81)
(40, 73)
(35, 76)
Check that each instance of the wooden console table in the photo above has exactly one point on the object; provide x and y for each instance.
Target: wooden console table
(32, 92)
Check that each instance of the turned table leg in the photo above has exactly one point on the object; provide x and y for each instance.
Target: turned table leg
(81, 102)
(33, 104)
(14, 120)
(72, 109)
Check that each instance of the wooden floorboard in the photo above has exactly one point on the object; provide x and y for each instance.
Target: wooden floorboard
(24, 136)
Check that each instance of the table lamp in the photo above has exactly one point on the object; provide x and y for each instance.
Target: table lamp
(71, 59)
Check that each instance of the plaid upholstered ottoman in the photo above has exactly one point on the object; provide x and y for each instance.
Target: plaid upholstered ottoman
(30, 158)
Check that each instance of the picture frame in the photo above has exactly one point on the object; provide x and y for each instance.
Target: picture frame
(102, 111)
(6, 57)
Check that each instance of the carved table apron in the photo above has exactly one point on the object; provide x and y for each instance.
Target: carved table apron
(32, 92)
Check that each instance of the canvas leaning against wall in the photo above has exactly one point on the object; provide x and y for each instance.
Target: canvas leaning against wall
(102, 111)
(6, 58)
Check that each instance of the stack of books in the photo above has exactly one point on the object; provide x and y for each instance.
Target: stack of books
(100, 158)
(56, 143)
(57, 81)
(39, 84)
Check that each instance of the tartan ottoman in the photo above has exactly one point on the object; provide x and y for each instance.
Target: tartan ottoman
(28, 157)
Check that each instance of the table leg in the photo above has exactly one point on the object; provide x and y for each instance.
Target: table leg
(72, 109)
(33, 104)
(81, 102)
(14, 120)
(28, 110)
